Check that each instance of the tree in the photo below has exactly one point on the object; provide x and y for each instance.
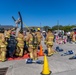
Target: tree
(65, 28)
(46, 28)
(56, 27)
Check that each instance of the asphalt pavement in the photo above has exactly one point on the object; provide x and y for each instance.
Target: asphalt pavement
(59, 65)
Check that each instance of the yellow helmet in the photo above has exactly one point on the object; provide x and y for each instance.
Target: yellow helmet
(38, 28)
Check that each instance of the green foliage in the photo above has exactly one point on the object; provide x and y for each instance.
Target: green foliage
(65, 28)
(46, 28)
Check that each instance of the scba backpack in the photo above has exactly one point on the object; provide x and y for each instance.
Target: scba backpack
(12, 41)
(35, 40)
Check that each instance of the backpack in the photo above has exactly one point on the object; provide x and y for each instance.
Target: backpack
(12, 46)
(12, 41)
(35, 40)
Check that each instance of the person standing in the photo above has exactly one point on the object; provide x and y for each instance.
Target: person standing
(20, 44)
(2, 46)
(33, 44)
(39, 36)
(49, 42)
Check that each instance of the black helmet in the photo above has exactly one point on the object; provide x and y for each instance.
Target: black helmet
(49, 29)
(1, 30)
(21, 31)
(32, 30)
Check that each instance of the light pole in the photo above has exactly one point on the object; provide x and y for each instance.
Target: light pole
(58, 24)
(40, 26)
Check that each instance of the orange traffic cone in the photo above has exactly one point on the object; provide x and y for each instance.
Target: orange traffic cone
(46, 70)
(41, 51)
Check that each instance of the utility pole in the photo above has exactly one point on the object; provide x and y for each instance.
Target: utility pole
(40, 26)
(58, 24)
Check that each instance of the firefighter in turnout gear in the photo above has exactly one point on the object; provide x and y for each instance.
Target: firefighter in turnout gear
(71, 36)
(49, 42)
(74, 37)
(8, 33)
(11, 46)
(39, 36)
(33, 44)
(26, 43)
(27, 33)
(2, 45)
(20, 44)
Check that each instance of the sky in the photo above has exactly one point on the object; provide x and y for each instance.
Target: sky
(38, 12)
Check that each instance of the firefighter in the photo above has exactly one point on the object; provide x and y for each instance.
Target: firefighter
(27, 33)
(2, 45)
(74, 36)
(11, 47)
(8, 33)
(49, 42)
(20, 44)
(39, 36)
(26, 43)
(33, 44)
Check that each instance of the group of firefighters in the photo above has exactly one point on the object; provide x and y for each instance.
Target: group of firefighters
(32, 40)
